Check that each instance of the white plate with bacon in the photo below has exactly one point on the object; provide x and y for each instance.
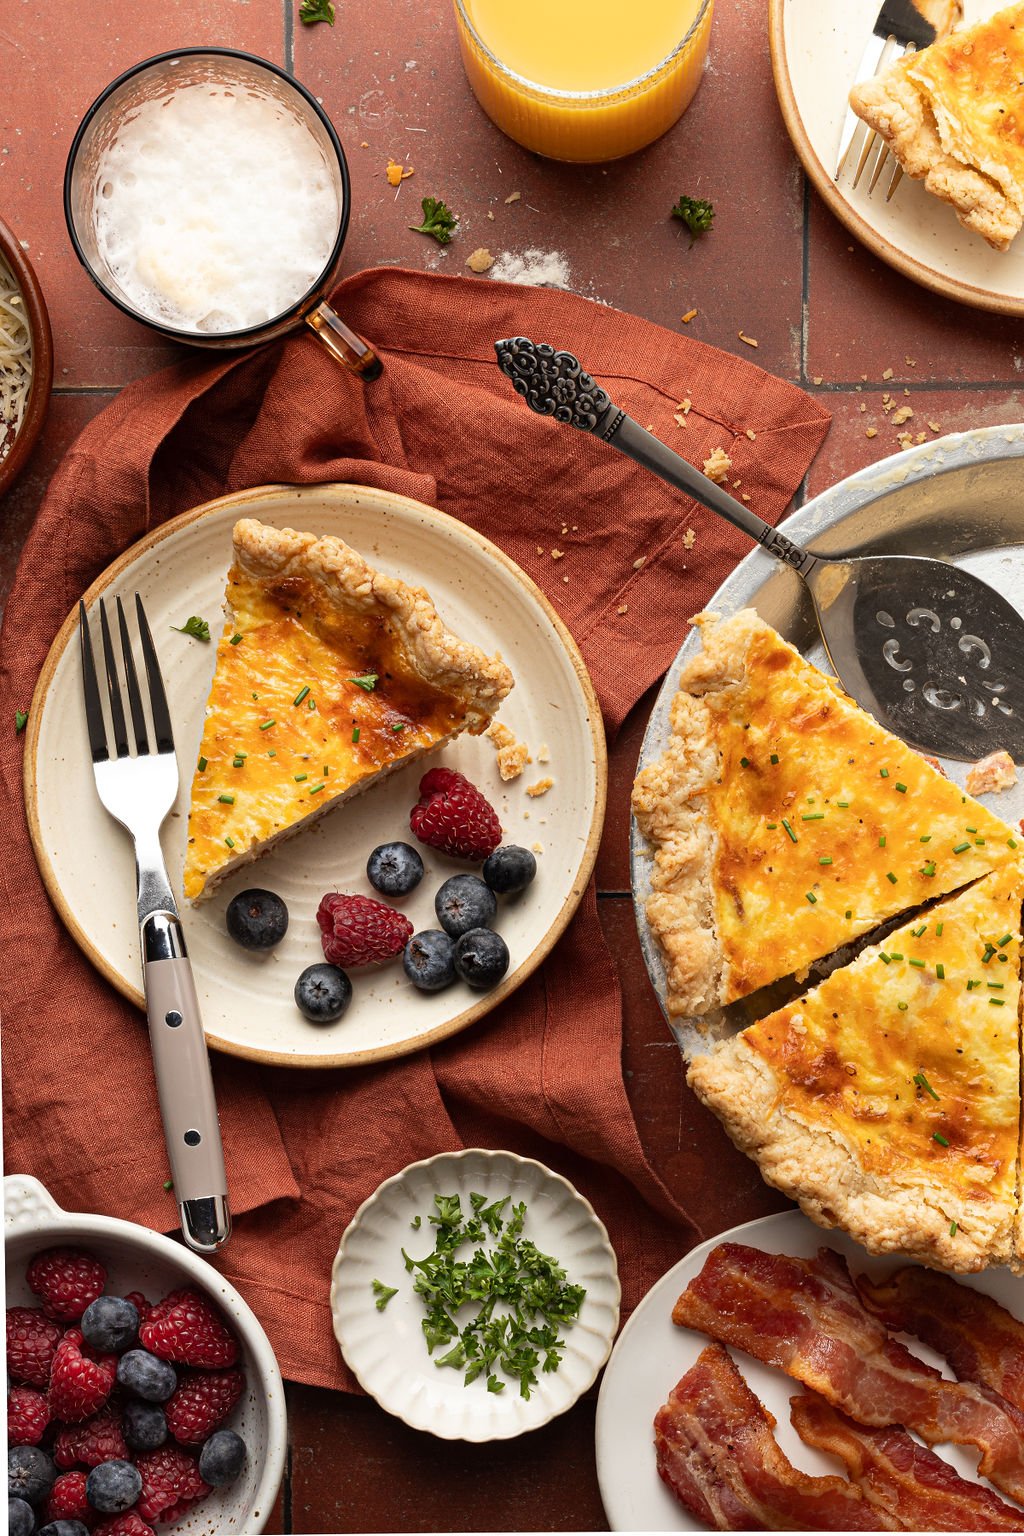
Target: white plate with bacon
(754, 1288)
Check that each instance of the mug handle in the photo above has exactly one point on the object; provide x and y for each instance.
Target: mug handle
(343, 344)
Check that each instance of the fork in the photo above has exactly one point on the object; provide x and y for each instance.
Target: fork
(138, 791)
(899, 28)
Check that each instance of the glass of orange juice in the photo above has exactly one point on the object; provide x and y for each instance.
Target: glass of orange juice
(584, 80)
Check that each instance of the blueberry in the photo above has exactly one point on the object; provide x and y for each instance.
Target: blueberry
(64, 1528)
(113, 1486)
(20, 1519)
(464, 902)
(30, 1473)
(257, 919)
(394, 869)
(222, 1458)
(110, 1324)
(427, 960)
(509, 870)
(481, 958)
(323, 993)
(144, 1425)
(144, 1375)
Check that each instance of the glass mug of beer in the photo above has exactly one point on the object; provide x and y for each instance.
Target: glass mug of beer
(207, 195)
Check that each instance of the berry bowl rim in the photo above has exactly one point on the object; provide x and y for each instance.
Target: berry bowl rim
(32, 1214)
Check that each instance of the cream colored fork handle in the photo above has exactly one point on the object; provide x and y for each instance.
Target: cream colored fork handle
(185, 1088)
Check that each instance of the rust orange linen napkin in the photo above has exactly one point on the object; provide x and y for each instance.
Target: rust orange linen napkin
(542, 1075)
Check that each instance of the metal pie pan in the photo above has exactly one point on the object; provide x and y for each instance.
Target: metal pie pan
(959, 498)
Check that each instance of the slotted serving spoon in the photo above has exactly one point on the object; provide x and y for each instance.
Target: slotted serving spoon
(935, 654)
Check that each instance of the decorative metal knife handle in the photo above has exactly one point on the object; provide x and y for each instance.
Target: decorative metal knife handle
(554, 384)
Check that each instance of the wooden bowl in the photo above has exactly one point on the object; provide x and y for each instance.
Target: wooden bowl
(42, 358)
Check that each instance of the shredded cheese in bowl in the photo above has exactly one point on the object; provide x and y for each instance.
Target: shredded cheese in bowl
(15, 360)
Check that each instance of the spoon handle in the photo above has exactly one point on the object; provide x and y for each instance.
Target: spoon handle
(554, 384)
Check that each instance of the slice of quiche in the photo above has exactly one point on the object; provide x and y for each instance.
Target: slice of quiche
(786, 822)
(329, 675)
(952, 115)
(887, 1100)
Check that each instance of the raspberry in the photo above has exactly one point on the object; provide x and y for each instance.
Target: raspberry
(169, 1476)
(67, 1500)
(453, 816)
(67, 1280)
(128, 1524)
(202, 1403)
(141, 1305)
(32, 1340)
(27, 1416)
(356, 930)
(188, 1329)
(98, 1439)
(81, 1379)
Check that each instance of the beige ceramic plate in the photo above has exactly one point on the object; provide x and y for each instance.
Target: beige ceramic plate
(246, 999)
(386, 1350)
(816, 50)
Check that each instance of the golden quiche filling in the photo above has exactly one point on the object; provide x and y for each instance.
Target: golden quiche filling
(328, 675)
(786, 822)
(887, 1100)
(953, 115)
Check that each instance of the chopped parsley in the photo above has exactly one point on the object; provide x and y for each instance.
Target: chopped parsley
(696, 213)
(195, 626)
(312, 11)
(520, 1298)
(438, 220)
(383, 1293)
(20, 721)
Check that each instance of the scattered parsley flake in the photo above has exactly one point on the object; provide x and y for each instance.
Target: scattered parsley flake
(20, 721)
(383, 1293)
(438, 220)
(696, 213)
(195, 626)
(312, 11)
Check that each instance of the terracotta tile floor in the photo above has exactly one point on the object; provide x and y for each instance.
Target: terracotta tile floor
(778, 267)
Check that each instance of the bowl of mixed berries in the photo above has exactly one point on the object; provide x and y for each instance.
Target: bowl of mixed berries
(143, 1396)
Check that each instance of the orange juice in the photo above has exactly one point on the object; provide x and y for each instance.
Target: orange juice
(584, 80)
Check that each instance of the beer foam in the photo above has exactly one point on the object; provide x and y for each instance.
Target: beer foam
(215, 209)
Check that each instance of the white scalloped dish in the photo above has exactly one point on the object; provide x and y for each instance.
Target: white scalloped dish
(386, 1350)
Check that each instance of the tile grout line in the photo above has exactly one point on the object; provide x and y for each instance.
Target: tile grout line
(289, 37)
(286, 1492)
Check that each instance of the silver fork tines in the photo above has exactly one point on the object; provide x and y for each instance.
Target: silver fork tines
(126, 677)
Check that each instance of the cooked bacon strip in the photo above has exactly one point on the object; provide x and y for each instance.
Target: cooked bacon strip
(917, 1488)
(804, 1315)
(980, 1339)
(717, 1453)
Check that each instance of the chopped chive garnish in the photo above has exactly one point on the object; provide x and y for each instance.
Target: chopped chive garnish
(367, 682)
(230, 842)
(201, 765)
(938, 930)
(938, 1136)
(971, 830)
(997, 1002)
(226, 799)
(883, 773)
(885, 959)
(300, 778)
(311, 704)
(812, 898)
(272, 752)
(844, 805)
(995, 986)
(902, 1007)
(972, 984)
(961, 847)
(267, 724)
(789, 831)
(399, 727)
(918, 963)
(952, 1228)
(826, 858)
(979, 842)
(355, 733)
(848, 913)
(1011, 842)
(771, 825)
(774, 757)
(300, 696)
(990, 950)
(744, 761)
(891, 878)
(917, 932)
(238, 762)
(812, 816)
(896, 956)
(1004, 940)
(326, 771)
(927, 838)
(881, 841)
(928, 869)
(901, 789)
(235, 640)
(940, 971)
(315, 789)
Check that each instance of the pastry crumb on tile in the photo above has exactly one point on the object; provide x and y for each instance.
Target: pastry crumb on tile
(903, 414)
(991, 775)
(905, 440)
(537, 847)
(540, 788)
(870, 431)
(480, 260)
(544, 753)
(887, 374)
(717, 465)
(690, 314)
(512, 760)
(817, 379)
(934, 426)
